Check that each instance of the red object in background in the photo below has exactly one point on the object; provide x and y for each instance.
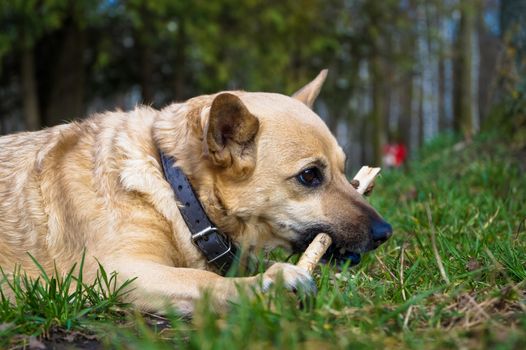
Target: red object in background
(394, 155)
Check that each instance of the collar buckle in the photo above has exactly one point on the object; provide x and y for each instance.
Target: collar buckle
(227, 251)
(204, 233)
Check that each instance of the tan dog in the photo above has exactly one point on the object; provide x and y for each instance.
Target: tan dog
(265, 167)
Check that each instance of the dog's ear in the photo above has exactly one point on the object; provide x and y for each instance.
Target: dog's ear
(309, 92)
(230, 135)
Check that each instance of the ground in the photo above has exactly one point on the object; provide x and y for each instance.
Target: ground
(452, 276)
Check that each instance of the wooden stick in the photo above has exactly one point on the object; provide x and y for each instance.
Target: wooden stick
(315, 251)
(322, 241)
(365, 176)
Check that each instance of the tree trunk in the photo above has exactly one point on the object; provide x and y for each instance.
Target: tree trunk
(421, 115)
(143, 37)
(364, 136)
(180, 62)
(146, 69)
(404, 122)
(464, 91)
(377, 112)
(65, 99)
(29, 90)
(442, 117)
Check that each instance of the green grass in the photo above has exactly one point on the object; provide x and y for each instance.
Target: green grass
(471, 202)
(48, 303)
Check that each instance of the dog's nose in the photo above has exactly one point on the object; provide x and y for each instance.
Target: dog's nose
(380, 231)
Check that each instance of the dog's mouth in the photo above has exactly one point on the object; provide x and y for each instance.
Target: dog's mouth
(340, 256)
(335, 255)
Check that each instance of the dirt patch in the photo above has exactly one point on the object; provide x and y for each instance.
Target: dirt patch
(61, 340)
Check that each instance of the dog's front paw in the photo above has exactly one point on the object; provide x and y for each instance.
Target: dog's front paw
(294, 278)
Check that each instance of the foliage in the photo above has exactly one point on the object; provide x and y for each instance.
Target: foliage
(24, 22)
(394, 65)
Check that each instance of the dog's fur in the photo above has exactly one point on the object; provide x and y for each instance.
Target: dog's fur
(97, 186)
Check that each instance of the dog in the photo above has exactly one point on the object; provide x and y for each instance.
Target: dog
(264, 169)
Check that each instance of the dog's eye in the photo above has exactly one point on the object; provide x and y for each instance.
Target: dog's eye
(310, 177)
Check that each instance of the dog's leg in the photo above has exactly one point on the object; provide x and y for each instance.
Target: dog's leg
(158, 286)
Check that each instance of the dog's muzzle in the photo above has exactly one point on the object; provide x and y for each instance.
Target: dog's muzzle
(380, 233)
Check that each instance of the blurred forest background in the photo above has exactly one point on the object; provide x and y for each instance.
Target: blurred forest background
(401, 71)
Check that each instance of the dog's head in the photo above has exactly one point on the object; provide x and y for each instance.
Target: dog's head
(274, 175)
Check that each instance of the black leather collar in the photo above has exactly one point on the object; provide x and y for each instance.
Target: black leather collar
(216, 247)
